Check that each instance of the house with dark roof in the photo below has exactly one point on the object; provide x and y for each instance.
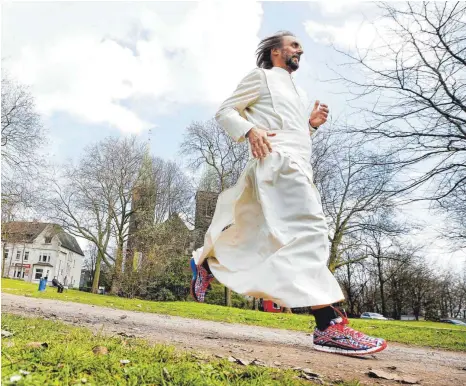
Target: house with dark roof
(33, 250)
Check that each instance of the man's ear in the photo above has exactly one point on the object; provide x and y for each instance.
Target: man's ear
(275, 51)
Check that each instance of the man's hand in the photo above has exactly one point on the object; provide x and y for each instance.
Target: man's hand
(260, 145)
(319, 114)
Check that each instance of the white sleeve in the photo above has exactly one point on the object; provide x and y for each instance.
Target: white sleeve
(231, 113)
(311, 129)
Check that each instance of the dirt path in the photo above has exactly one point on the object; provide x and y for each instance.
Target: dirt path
(275, 347)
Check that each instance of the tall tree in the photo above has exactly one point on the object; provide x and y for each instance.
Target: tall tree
(354, 183)
(78, 203)
(23, 136)
(411, 94)
(207, 144)
(121, 159)
(173, 191)
(93, 199)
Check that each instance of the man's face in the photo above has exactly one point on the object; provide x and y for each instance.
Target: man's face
(291, 52)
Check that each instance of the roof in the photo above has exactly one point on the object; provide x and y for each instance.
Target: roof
(27, 232)
(69, 242)
(43, 264)
(22, 231)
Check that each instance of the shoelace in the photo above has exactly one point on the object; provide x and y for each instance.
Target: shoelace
(342, 326)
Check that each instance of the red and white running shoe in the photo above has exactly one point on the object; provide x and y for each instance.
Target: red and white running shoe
(200, 282)
(338, 338)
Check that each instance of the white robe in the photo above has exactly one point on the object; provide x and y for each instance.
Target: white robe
(277, 245)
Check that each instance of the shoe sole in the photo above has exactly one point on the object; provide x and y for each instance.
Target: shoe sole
(352, 353)
(193, 266)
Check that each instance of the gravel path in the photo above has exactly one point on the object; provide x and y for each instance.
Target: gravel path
(280, 348)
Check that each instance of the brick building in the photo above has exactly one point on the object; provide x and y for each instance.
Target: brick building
(205, 208)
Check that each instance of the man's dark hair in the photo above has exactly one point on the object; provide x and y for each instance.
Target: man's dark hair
(264, 50)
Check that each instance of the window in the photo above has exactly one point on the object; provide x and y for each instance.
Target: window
(48, 239)
(5, 253)
(18, 255)
(26, 256)
(20, 273)
(44, 257)
(38, 274)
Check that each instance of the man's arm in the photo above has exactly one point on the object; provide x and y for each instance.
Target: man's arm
(231, 113)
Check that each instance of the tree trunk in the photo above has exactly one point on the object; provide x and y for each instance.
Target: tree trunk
(11, 259)
(333, 258)
(3, 260)
(381, 284)
(95, 279)
(287, 310)
(349, 291)
(255, 304)
(116, 279)
(227, 297)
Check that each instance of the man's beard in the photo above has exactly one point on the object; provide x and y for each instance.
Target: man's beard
(293, 65)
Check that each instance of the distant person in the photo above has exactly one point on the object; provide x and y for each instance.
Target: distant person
(277, 245)
(56, 283)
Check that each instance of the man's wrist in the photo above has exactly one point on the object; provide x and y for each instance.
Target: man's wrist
(248, 132)
(314, 127)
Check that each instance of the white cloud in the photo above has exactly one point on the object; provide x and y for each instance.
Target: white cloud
(336, 7)
(92, 59)
(350, 34)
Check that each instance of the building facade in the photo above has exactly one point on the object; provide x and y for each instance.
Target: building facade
(205, 208)
(33, 250)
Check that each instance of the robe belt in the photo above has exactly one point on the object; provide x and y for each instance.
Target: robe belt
(291, 142)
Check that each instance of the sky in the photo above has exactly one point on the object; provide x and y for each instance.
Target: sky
(99, 69)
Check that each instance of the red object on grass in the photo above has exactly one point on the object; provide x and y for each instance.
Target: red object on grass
(270, 306)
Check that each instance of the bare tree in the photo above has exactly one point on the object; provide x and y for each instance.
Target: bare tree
(454, 229)
(173, 191)
(207, 144)
(22, 138)
(383, 246)
(121, 160)
(22, 132)
(93, 198)
(354, 183)
(76, 201)
(412, 96)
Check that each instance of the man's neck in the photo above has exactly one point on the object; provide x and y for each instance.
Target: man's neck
(285, 67)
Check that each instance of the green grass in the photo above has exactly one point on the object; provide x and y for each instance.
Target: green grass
(69, 359)
(429, 334)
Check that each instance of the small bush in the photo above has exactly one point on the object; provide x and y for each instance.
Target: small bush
(217, 296)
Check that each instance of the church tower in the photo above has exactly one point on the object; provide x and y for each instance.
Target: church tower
(143, 213)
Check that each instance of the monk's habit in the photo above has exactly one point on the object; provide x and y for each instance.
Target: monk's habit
(269, 237)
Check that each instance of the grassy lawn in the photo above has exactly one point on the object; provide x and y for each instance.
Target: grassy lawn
(70, 357)
(430, 334)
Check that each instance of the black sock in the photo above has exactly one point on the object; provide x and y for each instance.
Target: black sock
(324, 316)
(205, 264)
